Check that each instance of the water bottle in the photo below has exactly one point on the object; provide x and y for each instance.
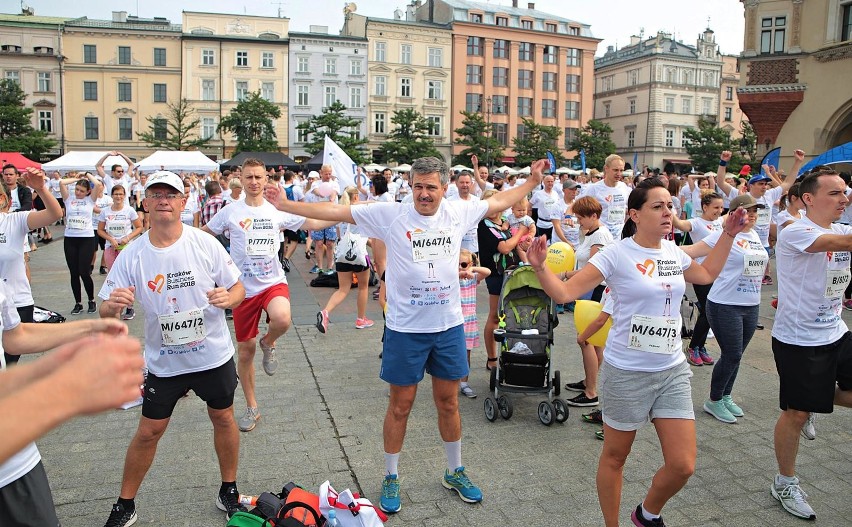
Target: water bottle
(332, 519)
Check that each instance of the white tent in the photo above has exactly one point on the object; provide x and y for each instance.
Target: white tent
(563, 170)
(177, 161)
(372, 167)
(459, 168)
(82, 160)
(506, 168)
(402, 168)
(525, 170)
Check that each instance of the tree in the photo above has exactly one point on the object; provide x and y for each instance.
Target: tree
(251, 123)
(748, 145)
(474, 135)
(177, 131)
(409, 139)
(334, 122)
(16, 130)
(536, 142)
(594, 138)
(706, 143)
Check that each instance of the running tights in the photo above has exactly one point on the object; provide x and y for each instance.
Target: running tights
(733, 326)
(78, 255)
(702, 327)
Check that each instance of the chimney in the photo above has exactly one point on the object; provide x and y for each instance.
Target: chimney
(119, 16)
(531, 5)
(322, 30)
(634, 39)
(397, 15)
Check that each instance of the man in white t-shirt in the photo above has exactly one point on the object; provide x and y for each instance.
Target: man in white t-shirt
(811, 343)
(424, 325)
(547, 201)
(116, 176)
(611, 193)
(464, 182)
(184, 280)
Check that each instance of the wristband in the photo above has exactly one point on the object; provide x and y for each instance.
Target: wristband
(723, 163)
(728, 233)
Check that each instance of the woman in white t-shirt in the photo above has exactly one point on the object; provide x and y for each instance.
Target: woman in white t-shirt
(644, 375)
(80, 242)
(191, 213)
(118, 224)
(792, 207)
(379, 193)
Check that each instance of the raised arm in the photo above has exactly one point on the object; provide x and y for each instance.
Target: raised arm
(37, 219)
(332, 212)
(479, 181)
(720, 173)
(506, 198)
(99, 166)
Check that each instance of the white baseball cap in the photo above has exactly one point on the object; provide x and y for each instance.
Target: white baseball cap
(313, 174)
(164, 177)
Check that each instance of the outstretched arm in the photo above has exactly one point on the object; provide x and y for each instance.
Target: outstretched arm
(333, 212)
(506, 198)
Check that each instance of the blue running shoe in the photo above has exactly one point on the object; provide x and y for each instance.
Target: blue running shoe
(459, 482)
(389, 502)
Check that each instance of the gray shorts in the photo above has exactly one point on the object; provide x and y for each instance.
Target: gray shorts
(630, 398)
(27, 501)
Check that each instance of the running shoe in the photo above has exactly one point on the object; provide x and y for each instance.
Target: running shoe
(314, 270)
(560, 309)
(459, 482)
(767, 280)
(249, 420)
(270, 363)
(579, 386)
(229, 501)
(78, 308)
(322, 321)
(363, 323)
(129, 314)
(732, 407)
(121, 517)
(693, 356)
(793, 499)
(103, 270)
(582, 400)
(599, 435)
(705, 357)
(718, 410)
(594, 417)
(229, 314)
(93, 307)
(847, 304)
(808, 429)
(640, 521)
(330, 272)
(467, 391)
(285, 264)
(389, 501)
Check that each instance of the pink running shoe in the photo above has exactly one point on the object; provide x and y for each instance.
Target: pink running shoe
(363, 323)
(322, 321)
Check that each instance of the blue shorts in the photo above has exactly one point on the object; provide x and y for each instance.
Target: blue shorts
(406, 356)
(329, 235)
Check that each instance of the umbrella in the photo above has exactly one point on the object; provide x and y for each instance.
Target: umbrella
(402, 168)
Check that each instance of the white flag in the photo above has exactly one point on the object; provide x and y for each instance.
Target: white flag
(342, 166)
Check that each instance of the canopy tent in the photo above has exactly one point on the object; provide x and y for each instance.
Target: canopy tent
(405, 167)
(525, 170)
(270, 159)
(315, 163)
(563, 170)
(82, 161)
(177, 161)
(506, 168)
(20, 161)
(838, 154)
(372, 167)
(459, 168)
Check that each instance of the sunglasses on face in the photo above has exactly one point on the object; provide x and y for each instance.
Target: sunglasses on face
(464, 265)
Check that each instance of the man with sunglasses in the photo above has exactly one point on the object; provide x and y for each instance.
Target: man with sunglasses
(118, 175)
(184, 280)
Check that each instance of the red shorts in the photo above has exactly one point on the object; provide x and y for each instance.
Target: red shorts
(247, 314)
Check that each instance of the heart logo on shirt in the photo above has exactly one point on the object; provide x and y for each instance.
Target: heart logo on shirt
(156, 285)
(608, 198)
(245, 224)
(828, 255)
(743, 243)
(647, 267)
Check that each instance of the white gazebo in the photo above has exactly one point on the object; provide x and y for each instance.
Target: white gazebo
(177, 161)
(82, 161)
(405, 167)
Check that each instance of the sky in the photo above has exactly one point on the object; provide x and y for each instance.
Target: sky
(611, 20)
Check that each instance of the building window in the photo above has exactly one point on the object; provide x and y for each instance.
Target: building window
(405, 54)
(550, 28)
(548, 81)
(525, 79)
(570, 134)
(500, 76)
(729, 93)
(330, 95)
(474, 46)
(606, 83)
(90, 90)
(846, 23)
(160, 93)
(208, 90)
(161, 128)
(267, 91)
(772, 33)
(302, 134)
(728, 114)
(525, 106)
(573, 57)
(331, 66)
(670, 104)
(572, 110)
(355, 67)
(435, 90)
(548, 108)
(476, 18)
(91, 126)
(378, 123)
(607, 109)
(380, 84)
(633, 77)
(160, 57)
(684, 141)
(669, 137)
(474, 74)
(525, 51)
(572, 83)
(267, 60)
(501, 49)
(208, 127)
(631, 106)
(472, 102)
(499, 104)
(380, 51)
(242, 59)
(433, 125)
(125, 129)
(45, 121)
(526, 24)
(436, 57)
(631, 138)
(686, 105)
(706, 106)
(687, 77)
(45, 81)
(501, 133)
(671, 75)
(405, 87)
(208, 57)
(302, 92)
(550, 54)
(124, 55)
(90, 54)
(355, 132)
(302, 65)
(355, 98)
(573, 30)
(521, 132)
(502, 21)
(242, 90)
(14, 76)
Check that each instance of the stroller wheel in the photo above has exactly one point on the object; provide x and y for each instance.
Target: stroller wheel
(557, 383)
(490, 409)
(545, 413)
(561, 409)
(504, 404)
(492, 382)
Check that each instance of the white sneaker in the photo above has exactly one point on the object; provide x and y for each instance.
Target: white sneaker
(793, 499)
(249, 419)
(808, 429)
(467, 391)
(270, 363)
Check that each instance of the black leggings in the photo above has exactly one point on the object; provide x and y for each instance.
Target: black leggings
(702, 327)
(26, 315)
(78, 256)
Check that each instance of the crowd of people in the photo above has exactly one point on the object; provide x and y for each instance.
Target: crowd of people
(195, 250)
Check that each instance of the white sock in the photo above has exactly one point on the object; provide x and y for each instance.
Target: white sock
(391, 464)
(463, 385)
(648, 515)
(453, 450)
(783, 481)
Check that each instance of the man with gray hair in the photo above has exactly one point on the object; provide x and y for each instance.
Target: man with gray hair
(425, 326)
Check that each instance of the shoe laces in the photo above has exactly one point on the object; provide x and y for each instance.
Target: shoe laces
(460, 478)
(230, 499)
(794, 491)
(250, 413)
(390, 487)
(118, 516)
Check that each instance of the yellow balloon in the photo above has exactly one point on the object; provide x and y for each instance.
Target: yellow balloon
(560, 257)
(585, 312)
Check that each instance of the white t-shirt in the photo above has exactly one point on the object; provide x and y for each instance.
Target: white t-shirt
(547, 204)
(13, 237)
(702, 228)
(53, 185)
(764, 216)
(470, 240)
(103, 202)
(187, 215)
(298, 192)
(125, 181)
(571, 232)
(647, 286)
(810, 286)
(118, 223)
(726, 198)
(582, 252)
(784, 216)
(423, 255)
(696, 201)
(613, 201)
(24, 461)
(78, 217)
(171, 283)
(739, 282)
(255, 241)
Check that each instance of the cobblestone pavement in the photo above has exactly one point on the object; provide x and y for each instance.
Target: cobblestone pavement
(322, 419)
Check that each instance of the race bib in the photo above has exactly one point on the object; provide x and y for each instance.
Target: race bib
(764, 216)
(183, 328)
(429, 246)
(261, 244)
(116, 230)
(653, 334)
(754, 264)
(836, 281)
(616, 215)
(79, 223)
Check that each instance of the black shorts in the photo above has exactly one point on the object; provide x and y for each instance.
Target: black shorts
(216, 387)
(343, 267)
(291, 236)
(809, 374)
(28, 502)
(61, 203)
(38, 204)
(494, 283)
(101, 241)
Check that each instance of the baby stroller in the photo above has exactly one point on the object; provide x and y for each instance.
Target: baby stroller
(525, 336)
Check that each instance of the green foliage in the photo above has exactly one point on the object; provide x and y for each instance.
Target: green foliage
(475, 136)
(594, 138)
(251, 123)
(16, 130)
(537, 141)
(334, 122)
(409, 139)
(178, 131)
(706, 143)
(747, 151)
